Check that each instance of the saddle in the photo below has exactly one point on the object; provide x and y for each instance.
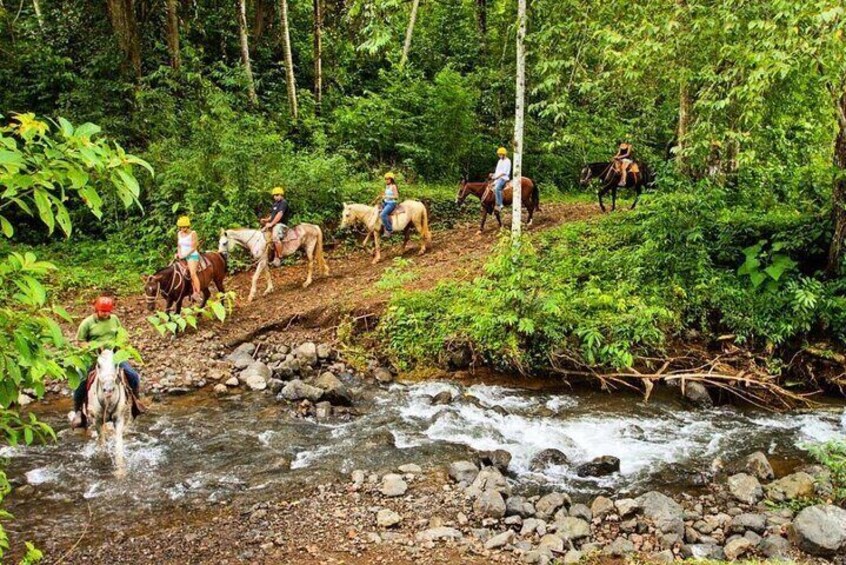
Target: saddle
(292, 235)
(202, 265)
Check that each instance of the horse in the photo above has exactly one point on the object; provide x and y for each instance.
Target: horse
(306, 236)
(485, 193)
(611, 178)
(109, 401)
(174, 282)
(408, 213)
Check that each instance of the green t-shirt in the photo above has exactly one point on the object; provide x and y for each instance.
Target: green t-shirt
(102, 332)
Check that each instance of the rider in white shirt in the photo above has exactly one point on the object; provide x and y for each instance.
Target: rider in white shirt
(501, 175)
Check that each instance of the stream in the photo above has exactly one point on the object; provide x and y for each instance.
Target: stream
(196, 451)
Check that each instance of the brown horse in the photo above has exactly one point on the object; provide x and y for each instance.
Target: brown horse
(173, 283)
(484, 192)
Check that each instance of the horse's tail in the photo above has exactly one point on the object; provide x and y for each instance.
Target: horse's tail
(319, 251)
(427, 234)
(536, 195)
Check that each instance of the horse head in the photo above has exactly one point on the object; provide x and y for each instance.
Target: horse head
(107, 375)
(462, 191)
(346, 217)
(223, 245)
(585, 176)
(152, 290)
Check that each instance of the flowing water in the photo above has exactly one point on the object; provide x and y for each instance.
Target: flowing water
(197, 451)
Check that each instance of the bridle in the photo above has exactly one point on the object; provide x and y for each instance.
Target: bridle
(177, 274)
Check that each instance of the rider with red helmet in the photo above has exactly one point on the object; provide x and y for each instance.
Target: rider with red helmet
(100, 329)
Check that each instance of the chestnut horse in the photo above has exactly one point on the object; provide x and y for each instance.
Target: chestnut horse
(173, 283)
(484, 192)
(610, 179)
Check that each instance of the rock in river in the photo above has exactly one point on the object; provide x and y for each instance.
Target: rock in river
(255, 376)
(547, 458)
(820, 530)
(758, 466)
(745, 488)
(498, 458)
(599, 467)
(298, 390)
(333, 389)
(791, 487)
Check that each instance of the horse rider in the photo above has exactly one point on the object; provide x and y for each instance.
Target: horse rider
(623, 162)
(501, 175)
(390, 198)
(100, 330)
(187, 249)
(273, 225)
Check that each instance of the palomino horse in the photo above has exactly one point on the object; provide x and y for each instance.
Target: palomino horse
(173, 283)
(306, 236)
(408, 213)
(610, 179)
(485, 193)
(108, 401)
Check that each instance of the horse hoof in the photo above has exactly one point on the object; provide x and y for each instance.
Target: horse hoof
(306, 284)
(478, 232)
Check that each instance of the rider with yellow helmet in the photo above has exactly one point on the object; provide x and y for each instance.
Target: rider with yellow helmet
(187, 249)
(390, 198)
(273, 224)
(501, 175)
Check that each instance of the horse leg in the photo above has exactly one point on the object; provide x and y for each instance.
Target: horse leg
(120, 456)
(601, 193)
(406, 233)
(484, 218)
(255, 281)
(498, 217)
(310, 257)
(530, 210)
(378, 256)
(206, 295)
(638, 191)
(421, 229)
(179, 300)
(269, 275)
(614, 198)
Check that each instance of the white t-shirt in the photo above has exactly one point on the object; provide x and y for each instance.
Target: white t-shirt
(503, 167)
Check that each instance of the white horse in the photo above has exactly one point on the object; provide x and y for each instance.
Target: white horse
(408, 213)
(108, 401)
(307, 236)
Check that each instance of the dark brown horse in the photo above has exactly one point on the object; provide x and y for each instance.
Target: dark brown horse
(484, 192)
(173, 283)
(610, 179)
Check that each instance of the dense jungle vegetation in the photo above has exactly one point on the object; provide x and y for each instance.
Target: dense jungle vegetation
(740, 107)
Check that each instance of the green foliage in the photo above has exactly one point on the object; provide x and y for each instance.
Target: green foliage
(398, 274)
(218, 307)
(832, 455)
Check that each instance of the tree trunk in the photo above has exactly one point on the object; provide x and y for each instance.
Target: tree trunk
(683, 127)
(173, 33)
(260, 19)
(125, 26)
(409, 32)
(838, 193)
(289, 61)
(36, 5)
(482, 17)
(318, 54)
(516, 183)
(245, 50)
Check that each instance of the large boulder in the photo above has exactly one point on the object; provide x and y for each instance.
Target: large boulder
(306, 353)
(601, 507)
(393, 485)
(572, 528)
(490, 478)
(549, 504)
(333, 389)
(519, 506)
(737, 547)
(463, 472)
(820, 530)
(240, 359)
(759, 466)
(498, 458)
(745, 488)
(298, 390)
(383, 375)
(665, 513)
(620, 547)
(746, 522)
(697, 394)
(547, 458)
(599, 467)
(255, 376)
(500, 540)
(791, 487)
(489, 504)
(775, 547)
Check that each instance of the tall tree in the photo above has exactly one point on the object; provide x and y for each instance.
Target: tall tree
(36, 6)
(409, 32)
(482, 17)
(259, 19)
(125, 25)
(289, 60)
(318, 53)
(516, 182)
(245, 51)
(173, 33)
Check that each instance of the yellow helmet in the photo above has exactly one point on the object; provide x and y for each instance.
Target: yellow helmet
(183, 222)
(278, 190)
(389, 176)
(502, 151)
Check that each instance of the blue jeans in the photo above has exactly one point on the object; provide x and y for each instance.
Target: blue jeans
(132, 377)
(499, 186)
(387, 207)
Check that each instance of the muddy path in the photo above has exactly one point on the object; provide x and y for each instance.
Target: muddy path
(298, 314)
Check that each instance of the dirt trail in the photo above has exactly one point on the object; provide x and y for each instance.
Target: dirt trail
(456, 253)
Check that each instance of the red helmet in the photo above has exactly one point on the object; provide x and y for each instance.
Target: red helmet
(104, 304)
